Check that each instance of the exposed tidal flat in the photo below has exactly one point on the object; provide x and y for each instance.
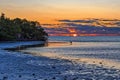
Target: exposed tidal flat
(53, 62)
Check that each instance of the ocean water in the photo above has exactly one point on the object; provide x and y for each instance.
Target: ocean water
(105, 49)
(86, 58)
(97, 47)
(86, 38)
(93, 50)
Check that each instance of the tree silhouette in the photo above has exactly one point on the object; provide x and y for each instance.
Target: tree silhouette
(20, 29)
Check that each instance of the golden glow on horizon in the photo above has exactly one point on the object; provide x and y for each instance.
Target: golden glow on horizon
(75, 35)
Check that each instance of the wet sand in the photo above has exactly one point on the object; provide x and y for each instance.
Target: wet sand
(37, 66)
(99, 62)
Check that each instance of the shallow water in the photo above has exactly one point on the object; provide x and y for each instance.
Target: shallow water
(103, 51)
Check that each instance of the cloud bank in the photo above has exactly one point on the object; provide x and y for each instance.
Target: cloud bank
(87, 27)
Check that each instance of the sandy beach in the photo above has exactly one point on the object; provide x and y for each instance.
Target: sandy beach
(59, 39)
(21, 66)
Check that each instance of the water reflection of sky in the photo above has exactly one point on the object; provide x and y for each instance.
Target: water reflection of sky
(107, 52)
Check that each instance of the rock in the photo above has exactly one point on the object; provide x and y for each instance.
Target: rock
(75, 78)
(20, 76)
(100, 62)
(33, 74)
(5, 78)
(53, 67)
(54, 78)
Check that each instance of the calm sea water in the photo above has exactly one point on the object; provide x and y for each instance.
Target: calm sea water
(106, 47)
(86, 38)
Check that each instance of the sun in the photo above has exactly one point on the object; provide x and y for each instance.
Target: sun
(74, 35)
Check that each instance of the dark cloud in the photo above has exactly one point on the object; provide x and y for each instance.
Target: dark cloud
(65, 20)
(80, 21)
(84, 29)
(87, 26)
(118, 23)
(95, 22)
(110, 20)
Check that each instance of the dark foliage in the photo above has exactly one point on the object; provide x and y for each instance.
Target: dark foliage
(20, 29)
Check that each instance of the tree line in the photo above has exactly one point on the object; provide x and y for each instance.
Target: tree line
(20, 30)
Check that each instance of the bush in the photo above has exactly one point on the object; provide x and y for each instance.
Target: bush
(20, 29)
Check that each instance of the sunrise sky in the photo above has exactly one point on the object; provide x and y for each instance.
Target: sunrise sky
(48, 11)
(68, 17)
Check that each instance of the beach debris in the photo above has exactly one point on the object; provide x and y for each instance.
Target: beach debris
(20, 76)
(5, 78)
(33, 74)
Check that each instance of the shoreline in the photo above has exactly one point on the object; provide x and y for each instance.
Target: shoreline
(21, 47)
(106, 63)
(24, 47)
(18, 66)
